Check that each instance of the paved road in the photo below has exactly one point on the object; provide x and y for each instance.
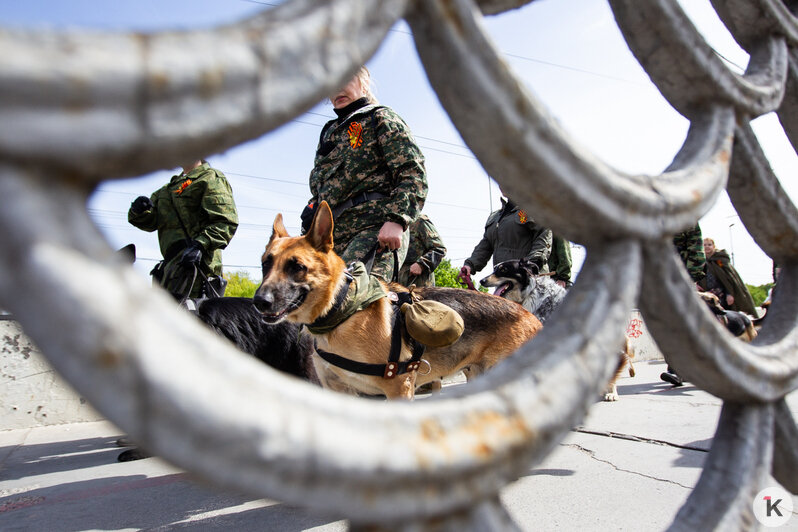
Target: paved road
(629, 467)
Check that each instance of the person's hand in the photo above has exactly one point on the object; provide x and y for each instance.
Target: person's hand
(415, 268)
(140, 205)
(390, 236)
(192, 255)
(307, 216)
(465, 272)
(729, 299)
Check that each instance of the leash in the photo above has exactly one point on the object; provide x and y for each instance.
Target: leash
(466, 280)
(368, 261)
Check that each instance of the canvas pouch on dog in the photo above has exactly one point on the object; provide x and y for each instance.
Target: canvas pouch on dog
(432, 323)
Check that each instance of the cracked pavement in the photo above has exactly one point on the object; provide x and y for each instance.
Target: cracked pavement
(629, 466)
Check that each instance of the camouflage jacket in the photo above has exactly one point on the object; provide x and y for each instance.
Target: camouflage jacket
(203, 201)
(511, 234)
(426, 249)
(690, 247)
(560, 261)
(369, 150)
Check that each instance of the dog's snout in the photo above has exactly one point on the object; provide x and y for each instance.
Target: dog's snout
(263, 302)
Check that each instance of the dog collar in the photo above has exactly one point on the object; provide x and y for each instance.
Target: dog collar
(361, 291)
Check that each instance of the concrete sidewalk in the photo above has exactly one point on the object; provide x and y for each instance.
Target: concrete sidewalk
(629, 467)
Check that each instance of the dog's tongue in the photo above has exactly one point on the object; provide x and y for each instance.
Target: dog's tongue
(500, 290)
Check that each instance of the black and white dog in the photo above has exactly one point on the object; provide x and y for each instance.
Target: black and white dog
(517, 280)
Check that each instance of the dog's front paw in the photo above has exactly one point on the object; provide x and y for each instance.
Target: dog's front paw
(611, 395)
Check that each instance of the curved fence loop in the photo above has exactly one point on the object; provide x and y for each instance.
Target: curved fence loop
(737, 466)
(686, 69)
(763, 205)
(99, 104)
(516, 140)
(705, 352)
(747, 20)
(785, 452)
(89, 104)
(472, 438)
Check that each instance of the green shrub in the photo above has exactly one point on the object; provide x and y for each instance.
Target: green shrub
(239, 284)
(759, 293)
(446, 275)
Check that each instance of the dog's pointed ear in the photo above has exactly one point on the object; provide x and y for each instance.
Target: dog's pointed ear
(278, 228)
(320, 234)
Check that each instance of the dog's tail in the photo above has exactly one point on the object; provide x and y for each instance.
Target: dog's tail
(628, 354)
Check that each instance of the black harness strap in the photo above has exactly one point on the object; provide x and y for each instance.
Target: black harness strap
(394, 367)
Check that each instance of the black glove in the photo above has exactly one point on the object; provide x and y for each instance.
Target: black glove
(307, 216)
(192, 255)
(141, 204)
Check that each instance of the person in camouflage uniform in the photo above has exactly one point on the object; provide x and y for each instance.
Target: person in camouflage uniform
(370, 171)
(425, 252)
(510, 234)
(195, 216)
(560, 261)
(690, 247)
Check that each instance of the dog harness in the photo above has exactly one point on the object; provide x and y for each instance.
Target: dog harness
(393, 367)
(358, 292)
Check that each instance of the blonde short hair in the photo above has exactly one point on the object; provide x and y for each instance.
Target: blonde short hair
(364, 76)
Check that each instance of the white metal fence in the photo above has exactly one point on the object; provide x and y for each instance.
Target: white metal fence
(86, 106)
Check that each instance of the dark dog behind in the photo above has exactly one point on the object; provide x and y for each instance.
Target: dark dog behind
(739, 324)
(281, 345)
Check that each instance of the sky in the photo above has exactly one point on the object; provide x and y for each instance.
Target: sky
(569, 53)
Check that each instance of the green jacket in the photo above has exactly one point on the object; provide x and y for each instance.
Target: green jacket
(690, 247)
(368, 150)
(511, 234)
(426, 249)
(203, 201)
(560, 261)
(722, 279)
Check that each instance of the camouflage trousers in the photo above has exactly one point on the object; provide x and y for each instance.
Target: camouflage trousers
(357, 248)
(425, 278)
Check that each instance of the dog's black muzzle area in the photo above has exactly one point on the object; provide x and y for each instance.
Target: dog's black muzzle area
(274, 308)
(263, 303)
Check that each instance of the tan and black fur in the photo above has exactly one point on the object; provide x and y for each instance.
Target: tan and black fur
(302, 275)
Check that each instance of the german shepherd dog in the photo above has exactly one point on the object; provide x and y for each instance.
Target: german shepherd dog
(739, 324)
(301, 279)
(540, 295)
